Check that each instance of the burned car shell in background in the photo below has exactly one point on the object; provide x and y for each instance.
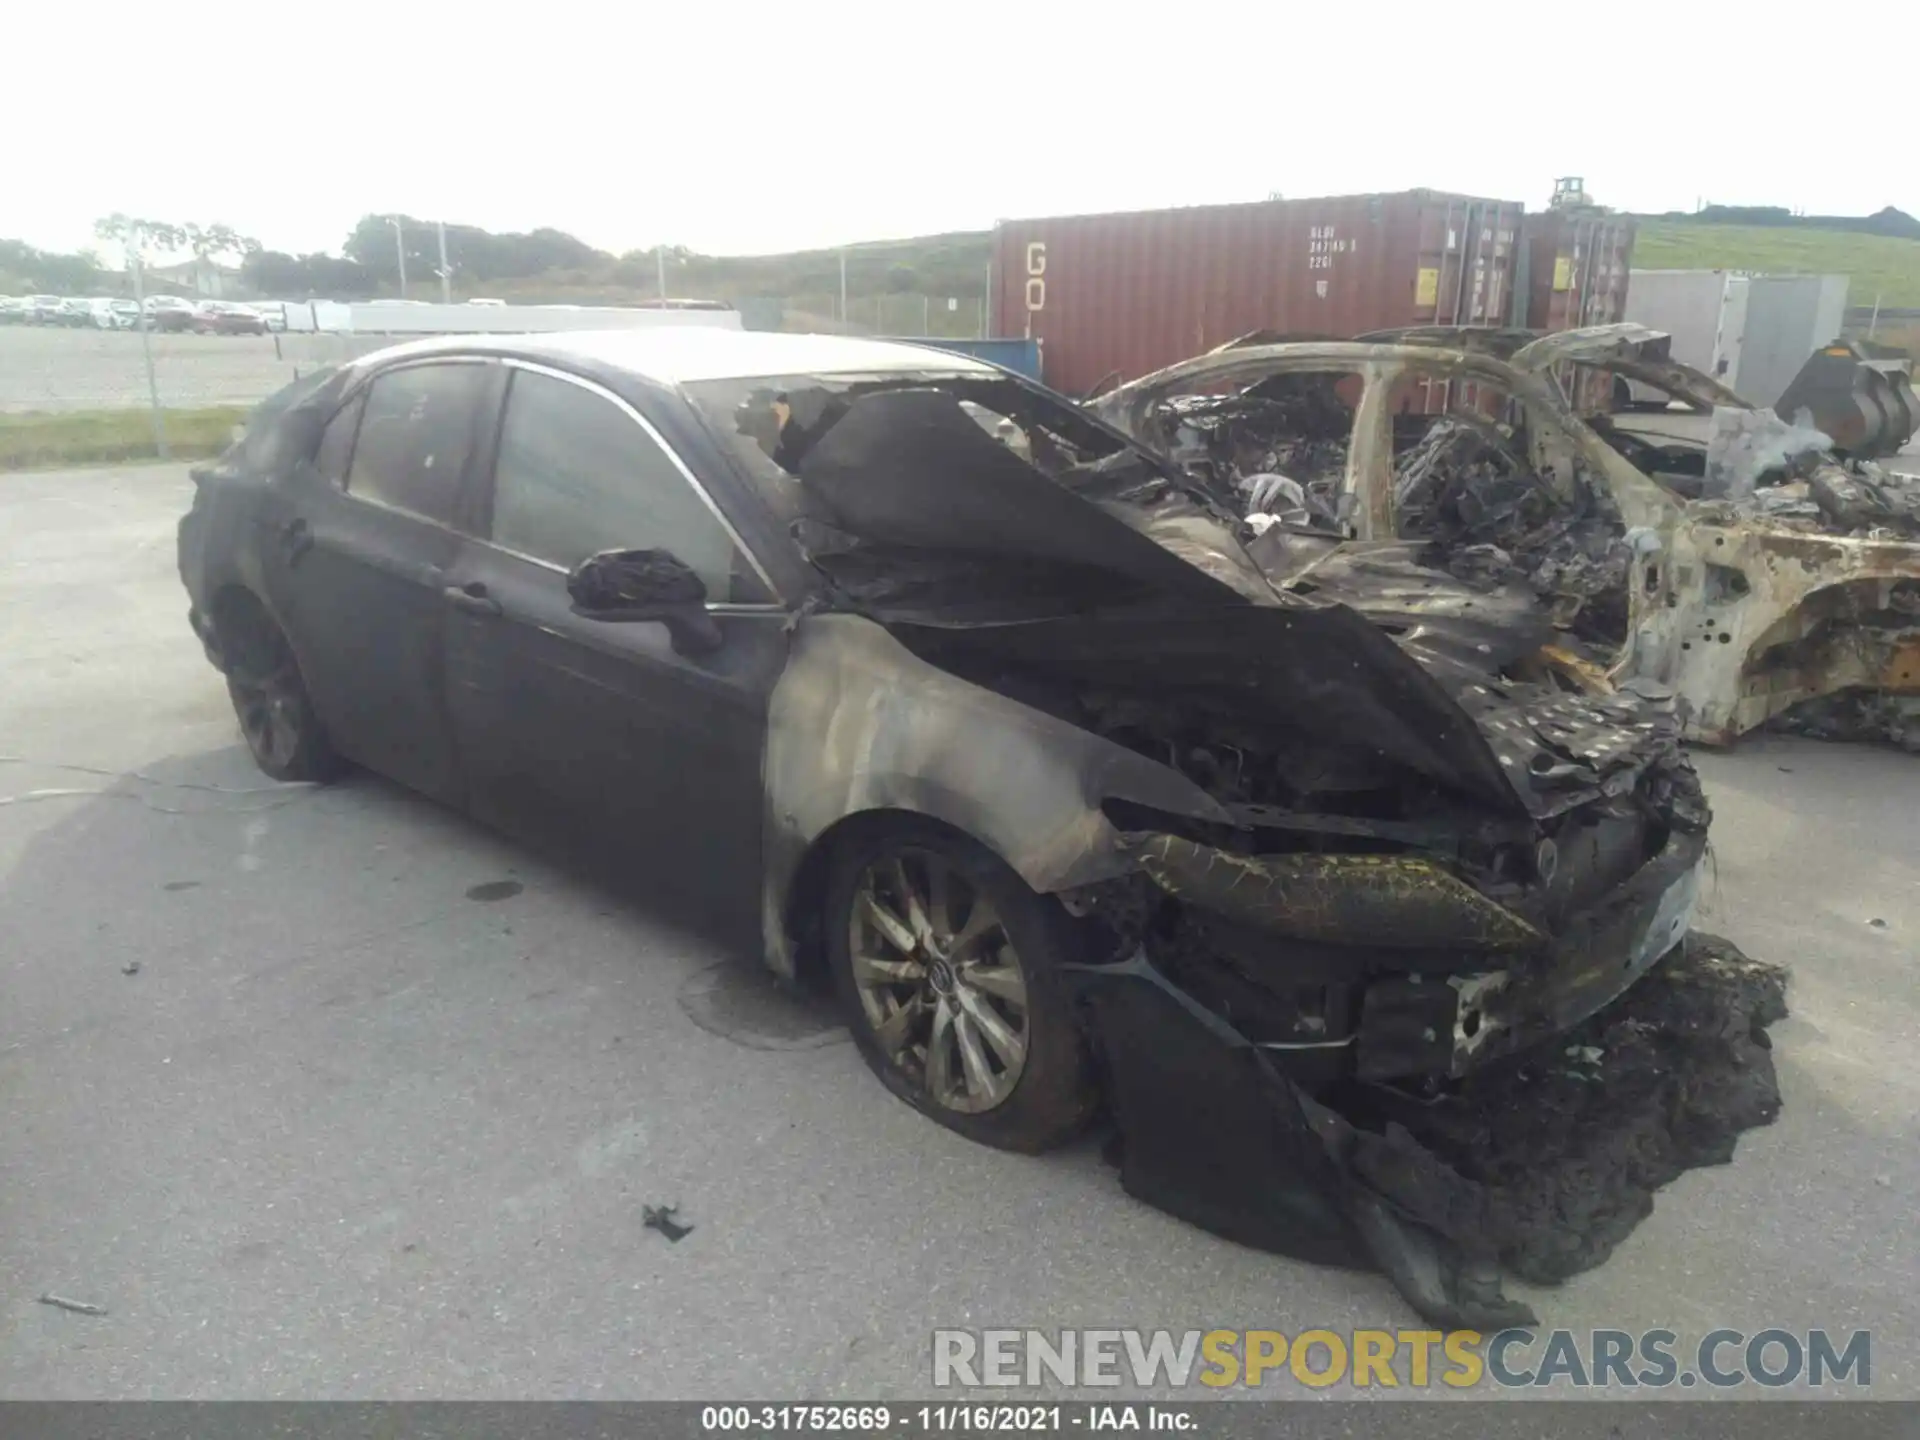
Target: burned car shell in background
(1783, 614)
(1740, 616)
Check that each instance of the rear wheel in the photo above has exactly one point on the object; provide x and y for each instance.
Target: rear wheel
(949, 970)
(270, 699)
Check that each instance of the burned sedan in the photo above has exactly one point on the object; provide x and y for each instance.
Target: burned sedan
(985, 716)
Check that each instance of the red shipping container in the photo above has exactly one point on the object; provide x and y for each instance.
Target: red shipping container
(1577, 264)
(1126, 294)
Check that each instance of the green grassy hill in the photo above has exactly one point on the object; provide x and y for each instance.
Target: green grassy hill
(1873, 264)
(886, 280)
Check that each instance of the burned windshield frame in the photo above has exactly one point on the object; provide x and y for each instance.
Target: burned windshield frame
(763, 421)
(770, 425)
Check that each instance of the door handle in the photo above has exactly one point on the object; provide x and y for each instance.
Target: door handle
(296, 538)
(472, 598)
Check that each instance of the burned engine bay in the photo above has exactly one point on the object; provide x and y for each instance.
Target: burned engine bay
(1426, 884)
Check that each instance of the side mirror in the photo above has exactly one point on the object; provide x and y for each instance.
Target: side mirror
(626, 586)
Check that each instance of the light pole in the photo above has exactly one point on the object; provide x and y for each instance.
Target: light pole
(146, 345)
(400, 249)
(446, 271)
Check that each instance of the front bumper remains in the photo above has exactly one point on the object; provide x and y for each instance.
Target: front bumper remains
(1224, 1131)
(1446, 978)
(1413, 1025)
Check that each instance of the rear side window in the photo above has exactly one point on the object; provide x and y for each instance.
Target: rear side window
(416, 432)
(576, 474)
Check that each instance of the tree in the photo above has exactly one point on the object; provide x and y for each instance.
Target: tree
(307, 277)
(24, 268)
(209, 242)
(478, 255)
(137, 238)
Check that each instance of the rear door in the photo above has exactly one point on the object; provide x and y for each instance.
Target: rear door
(599, 733)
(357, 556)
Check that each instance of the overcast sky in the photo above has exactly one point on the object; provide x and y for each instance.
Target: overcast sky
(735, 128)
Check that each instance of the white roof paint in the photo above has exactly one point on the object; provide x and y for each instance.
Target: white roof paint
(678, 356)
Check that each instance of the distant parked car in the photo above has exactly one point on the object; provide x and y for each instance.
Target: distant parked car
(114, 314)
(13, 309)
(223, 317)
(169, 313)
(272, 312)
(485, 300)
(43, 310)
(76, 312)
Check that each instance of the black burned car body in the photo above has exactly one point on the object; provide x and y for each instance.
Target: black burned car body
(984, 715)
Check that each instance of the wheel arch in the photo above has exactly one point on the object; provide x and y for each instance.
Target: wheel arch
(800, 906)
(239, 619)
(861, 728)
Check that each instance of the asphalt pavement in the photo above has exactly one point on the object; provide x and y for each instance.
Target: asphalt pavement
(331, 1093)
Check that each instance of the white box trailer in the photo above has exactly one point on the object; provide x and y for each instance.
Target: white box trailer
(1705, 311)
(1750, 332)
(402, 318)
(1788, 318)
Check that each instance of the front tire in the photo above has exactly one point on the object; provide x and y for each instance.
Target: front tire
(949, 970)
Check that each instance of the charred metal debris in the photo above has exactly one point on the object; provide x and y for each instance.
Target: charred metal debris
(665, 1219)
(1732, 556)
(1353, 853)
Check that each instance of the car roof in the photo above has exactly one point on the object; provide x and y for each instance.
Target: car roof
(685, 354)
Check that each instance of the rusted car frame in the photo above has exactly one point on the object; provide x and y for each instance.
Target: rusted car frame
(1740, 615)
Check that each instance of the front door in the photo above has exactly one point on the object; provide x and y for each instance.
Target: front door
(598, 733)
(356, 557)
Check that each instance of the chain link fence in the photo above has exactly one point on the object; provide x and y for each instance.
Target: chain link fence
(50, 369)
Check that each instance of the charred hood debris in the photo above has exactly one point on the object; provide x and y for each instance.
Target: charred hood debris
(1404, 984)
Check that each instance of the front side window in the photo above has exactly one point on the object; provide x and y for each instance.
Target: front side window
(336, 441)
(415, 434)
(576, 475)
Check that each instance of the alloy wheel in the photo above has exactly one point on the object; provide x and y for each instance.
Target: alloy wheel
(939, 981)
